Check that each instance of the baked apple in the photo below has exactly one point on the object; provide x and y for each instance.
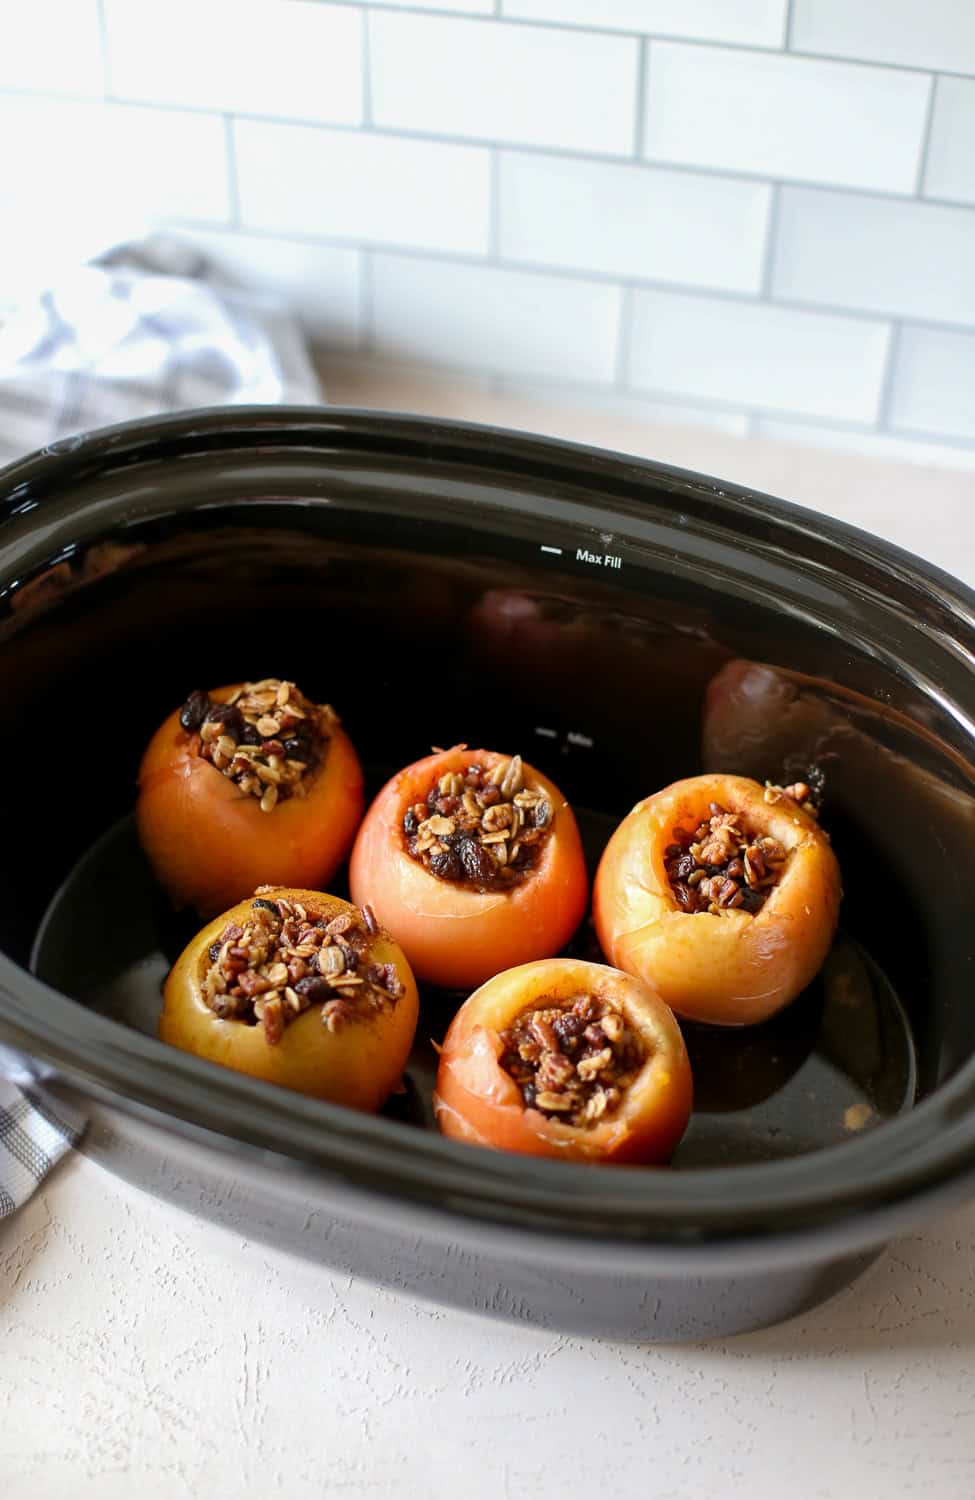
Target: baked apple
(473, 862)
(721, 893)
(566, 1059)
(300, 989)
(244, 786)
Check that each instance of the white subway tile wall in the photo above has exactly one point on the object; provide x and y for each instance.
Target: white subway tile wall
(935, 386)
(50, 45)
(876, 254)
(915, 33)
(352, 185)
(641, 222)
(265, 57)
(512, 322)
(786, 117)
(751, 354)
(536, 85)
(80, 174)
(71, 153)
(758, 214)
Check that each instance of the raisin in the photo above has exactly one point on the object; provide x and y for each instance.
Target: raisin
(685, 898)
(447, 865)
(314, 989)
(410, 823)
(213, 952)
(249, 735)
(541, 814)
(262, 905)
(194, 710)
(476, 862)
(568, 1026)
(686, 866)
(229, 716)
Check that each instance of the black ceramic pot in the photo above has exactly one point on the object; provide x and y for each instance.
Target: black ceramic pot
(622, 624)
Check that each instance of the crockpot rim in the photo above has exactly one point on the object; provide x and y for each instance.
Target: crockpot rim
(911, 1155)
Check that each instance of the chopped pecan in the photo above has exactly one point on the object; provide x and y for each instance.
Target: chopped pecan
(261, 972)
(721, 865)
(479, 828)
(572, 1060)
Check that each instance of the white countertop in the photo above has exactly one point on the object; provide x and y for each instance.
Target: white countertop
(146, 1353)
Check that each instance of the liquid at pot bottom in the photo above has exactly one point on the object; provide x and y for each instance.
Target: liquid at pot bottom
(838, 1061)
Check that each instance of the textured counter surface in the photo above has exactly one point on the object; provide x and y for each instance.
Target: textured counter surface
(146, 1353)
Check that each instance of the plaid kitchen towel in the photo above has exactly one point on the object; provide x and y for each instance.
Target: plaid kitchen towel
(34, 1134)
(146, 328)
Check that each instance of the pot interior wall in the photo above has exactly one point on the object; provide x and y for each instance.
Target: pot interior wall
(614, 681)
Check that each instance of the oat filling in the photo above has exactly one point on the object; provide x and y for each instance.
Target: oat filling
(284, 958)
(480, 828)
(724, 864)
(267, 738)
(572, 1060)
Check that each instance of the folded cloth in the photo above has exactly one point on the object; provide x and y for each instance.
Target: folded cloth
(34, 1135)
(147, 328)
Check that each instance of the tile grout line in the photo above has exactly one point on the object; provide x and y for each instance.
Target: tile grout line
(721, 45)
(366, 81)
(233, 180)
(790, 16)
(886, 400)
(591, 158)
(569, 153)
(642, 79)
(767, 49)
(926, 133)
(588, 277)
(771, 240)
